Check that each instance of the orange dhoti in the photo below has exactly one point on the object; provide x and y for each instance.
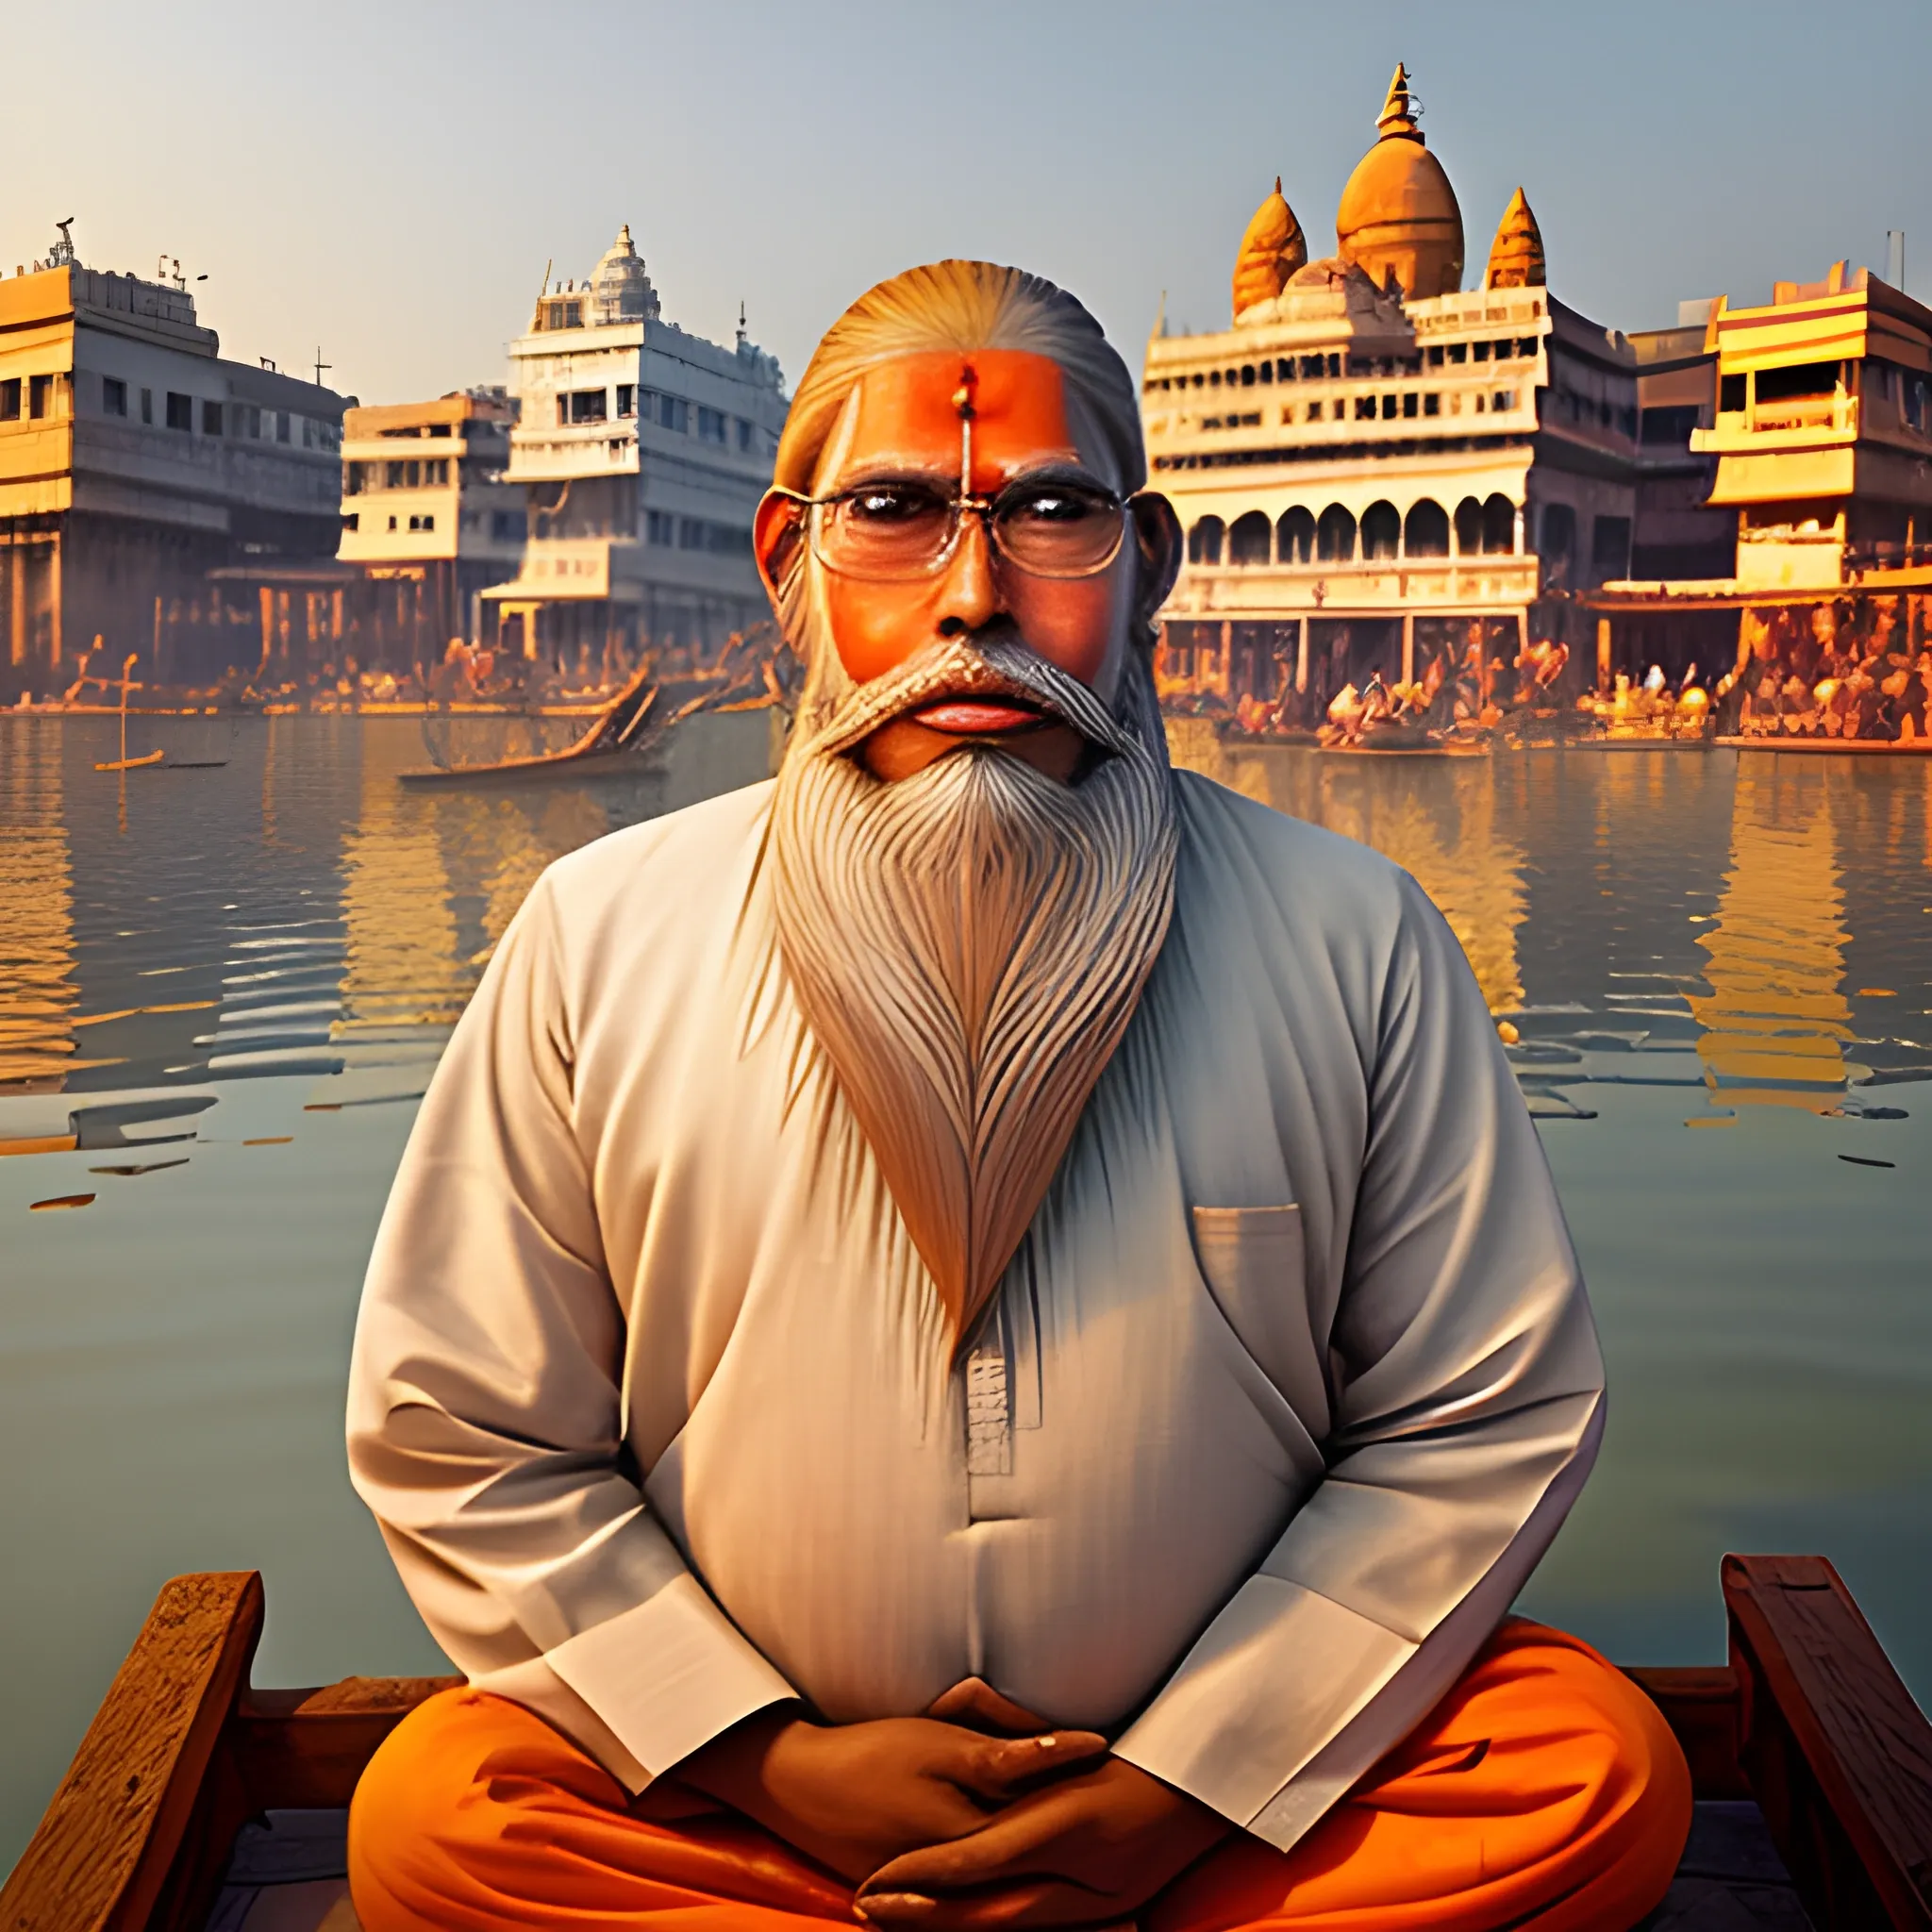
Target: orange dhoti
(1544, 1792)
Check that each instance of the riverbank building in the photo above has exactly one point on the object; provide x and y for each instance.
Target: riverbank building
(430, 520)
(1377, 467)
(152, 492)
(644, 450)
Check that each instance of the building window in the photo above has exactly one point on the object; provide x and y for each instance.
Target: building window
(1315, 411)
(1426, 529)
(40, 396)
(1365, 409)
(1609, 548)
(352, 520)
(1381, 532)
(10, 400)
(147, 406)
(507, 526)
(1390, 406)
(712, 425)
(1503, 399)
(391, 522)
(423, 523)
(438, 429)
(1559, 544)
(1294, 535)
(180, 410)
(210, 418)
(563, 315)
(1478, 352)
(352, 479)
(588, 405)
(1459, 352)
(1432, 404)
(1250, 540)
(661, 526)
(673, 412)
(1204, 540)
(1335, 536)
(113, 396)
(1434, 354)
(626, 399)
(1410, 403)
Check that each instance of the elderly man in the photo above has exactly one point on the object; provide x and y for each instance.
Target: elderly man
(980, 1336)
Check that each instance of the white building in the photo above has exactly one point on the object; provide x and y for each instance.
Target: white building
(1374, 466)
(644, 451)
(430, 518)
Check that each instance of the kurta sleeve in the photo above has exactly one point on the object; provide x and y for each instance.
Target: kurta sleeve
(484, 1425)
(1468, 1404)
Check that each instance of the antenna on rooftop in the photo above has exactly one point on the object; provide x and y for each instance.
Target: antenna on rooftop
(741, 322)
(62, 253)
(1896, 257)
(320, 365)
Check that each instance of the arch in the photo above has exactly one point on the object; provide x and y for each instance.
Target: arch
(1425, 530)
(1499, 526)
(1335, 536)
(1381, 532)
(1250, 540)
(1469, 527)
(1204, 540)
(1294, 536)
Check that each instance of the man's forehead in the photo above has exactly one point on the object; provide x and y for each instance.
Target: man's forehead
(909, 410)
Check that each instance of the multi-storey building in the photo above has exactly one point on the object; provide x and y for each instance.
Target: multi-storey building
(430, 520)
(1376, 467)
(1822, 435)
(135, 460)
(645, 451)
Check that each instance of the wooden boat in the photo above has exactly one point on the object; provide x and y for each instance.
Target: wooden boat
(613, 732)
(1806, 1727)
(124, 763)
(1840, 747)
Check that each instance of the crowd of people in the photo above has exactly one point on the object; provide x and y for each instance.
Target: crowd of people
(1838, 670)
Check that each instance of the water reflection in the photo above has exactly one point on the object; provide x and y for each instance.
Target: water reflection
(37, 993)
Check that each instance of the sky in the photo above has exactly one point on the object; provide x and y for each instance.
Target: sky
(383, 181)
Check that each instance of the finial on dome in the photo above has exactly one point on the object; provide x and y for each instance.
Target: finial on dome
(1273, 247)
(1397, 120)
(1516, 255)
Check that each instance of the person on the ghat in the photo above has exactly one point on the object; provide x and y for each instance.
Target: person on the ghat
(978, 1336)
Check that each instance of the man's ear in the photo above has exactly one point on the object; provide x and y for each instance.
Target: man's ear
(1157, 534)
(777, 532)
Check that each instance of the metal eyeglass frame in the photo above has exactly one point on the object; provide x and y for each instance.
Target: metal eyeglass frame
(961, 501)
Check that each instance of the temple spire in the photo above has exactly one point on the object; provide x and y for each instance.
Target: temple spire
(1273, 247)
(1398, 116)
(1516, 255)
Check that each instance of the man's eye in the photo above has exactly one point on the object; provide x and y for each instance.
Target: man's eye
(1055, 507)
(893, 506)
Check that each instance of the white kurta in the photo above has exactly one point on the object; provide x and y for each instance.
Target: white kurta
(1284, 1394)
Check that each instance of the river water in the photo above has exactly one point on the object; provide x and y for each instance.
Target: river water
(228, 985)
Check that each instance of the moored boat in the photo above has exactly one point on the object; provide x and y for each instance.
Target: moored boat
(192, 1789)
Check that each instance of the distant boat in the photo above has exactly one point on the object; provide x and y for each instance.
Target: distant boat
(124, 763)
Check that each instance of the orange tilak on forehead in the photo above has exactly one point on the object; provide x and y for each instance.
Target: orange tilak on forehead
(909, 412)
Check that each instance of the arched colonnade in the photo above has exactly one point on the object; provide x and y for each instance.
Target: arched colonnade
(1298, 536)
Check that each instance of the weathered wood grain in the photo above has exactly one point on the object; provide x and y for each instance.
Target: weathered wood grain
(309, 1747)
(1837, 1755)
(101, 1858)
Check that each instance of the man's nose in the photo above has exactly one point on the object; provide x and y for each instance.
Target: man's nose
(969, 591)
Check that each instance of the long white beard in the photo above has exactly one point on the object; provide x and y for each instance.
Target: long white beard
(969, 943)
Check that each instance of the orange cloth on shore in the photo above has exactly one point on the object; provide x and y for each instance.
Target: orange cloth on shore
(1545, 1791)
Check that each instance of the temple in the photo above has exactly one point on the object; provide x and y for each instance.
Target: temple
(1377, 467)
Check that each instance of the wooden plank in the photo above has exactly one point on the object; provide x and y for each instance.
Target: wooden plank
(103, 1853)
(1839, 1755)
(309, 1747)
(1700, 1705)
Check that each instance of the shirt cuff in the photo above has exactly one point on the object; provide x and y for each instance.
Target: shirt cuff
(1276, 1675)
(668, 1677)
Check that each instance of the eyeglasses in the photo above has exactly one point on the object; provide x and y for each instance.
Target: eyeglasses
(898, 531)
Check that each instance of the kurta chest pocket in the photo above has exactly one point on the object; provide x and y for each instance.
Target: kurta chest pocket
(1256, 1268)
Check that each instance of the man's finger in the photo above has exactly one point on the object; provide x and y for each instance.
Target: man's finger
(973, 1702)
(1006, 1851)
(999, 1766)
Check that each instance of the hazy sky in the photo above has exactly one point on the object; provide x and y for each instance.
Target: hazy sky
(387, 180)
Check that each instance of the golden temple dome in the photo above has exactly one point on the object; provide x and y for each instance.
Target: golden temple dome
(1398, 214)
(1516, 255)
(1273, 247)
